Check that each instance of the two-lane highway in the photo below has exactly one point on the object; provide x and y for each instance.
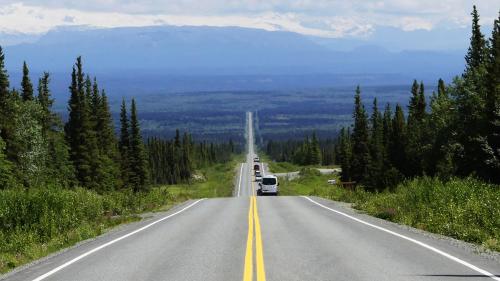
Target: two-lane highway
(264, 238)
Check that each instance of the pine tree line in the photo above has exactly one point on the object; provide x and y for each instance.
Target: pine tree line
(37, 150)
(306, 152)
(456, 134)
(174, 161)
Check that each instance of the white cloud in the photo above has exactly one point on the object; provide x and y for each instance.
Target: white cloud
(327, 18)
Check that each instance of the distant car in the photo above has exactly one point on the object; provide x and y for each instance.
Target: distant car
(269, 185)
(256, 167)
(256, 159)
(258, 178)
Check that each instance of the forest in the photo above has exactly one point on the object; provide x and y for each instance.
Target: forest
(454, 133)
(38, 150)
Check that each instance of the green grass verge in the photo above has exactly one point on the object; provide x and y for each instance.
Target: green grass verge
(37, 222)
(465, 209)
(218, 181)
(286, 167)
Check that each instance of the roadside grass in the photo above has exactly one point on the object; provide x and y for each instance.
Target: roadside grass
(465, 209)
(217, 181)
(286, 167)
(37, 222)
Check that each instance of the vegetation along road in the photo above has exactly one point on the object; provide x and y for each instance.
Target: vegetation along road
(263, 238)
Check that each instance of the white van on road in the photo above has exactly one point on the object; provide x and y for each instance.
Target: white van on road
(269, 185)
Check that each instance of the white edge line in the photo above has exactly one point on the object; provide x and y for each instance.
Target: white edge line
(462, 262)
(111, 242)
(239, 183)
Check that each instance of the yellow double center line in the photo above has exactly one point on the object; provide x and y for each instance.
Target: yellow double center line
(253, 219)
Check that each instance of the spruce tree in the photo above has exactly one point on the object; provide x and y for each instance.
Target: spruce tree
(315, 151)
(360, 150)
(493, 103)
(387, 127)
(26, 85)
(345, 154)
(60, 169)
(439, 157)
(109, 174)
(376, 145)
(138, 162)
(80, 130)
(45, 101)
(476, 54)
(416, 129)
(124, 144)
(397, 149)
(186, 157)
(470, 94)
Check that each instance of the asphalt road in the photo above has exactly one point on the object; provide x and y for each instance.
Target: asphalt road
(259, 238)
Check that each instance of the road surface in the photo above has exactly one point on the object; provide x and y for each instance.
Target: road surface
(263, 238)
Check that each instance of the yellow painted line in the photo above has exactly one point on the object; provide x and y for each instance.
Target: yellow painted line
(253, 186)
(248, 271)
(259, 254)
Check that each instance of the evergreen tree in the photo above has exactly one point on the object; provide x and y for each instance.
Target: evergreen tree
(376, 145)
(397, 148)
(470, 95)
(26, 85)
(138, 162)
(345, 154)
(124, 144)
(59, 168)
(360, 150)
(387, 127)
(493, 104)
(439, 158)
(315, 151)
(80, 130)
(416, 129)
(476, 54)
(109, 173)
(186, 157)
(45, 101)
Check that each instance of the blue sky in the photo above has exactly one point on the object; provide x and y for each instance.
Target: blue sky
(325, 18)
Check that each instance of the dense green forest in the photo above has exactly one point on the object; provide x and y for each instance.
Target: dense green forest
(310, 151)
(37, 149)
(455, 133)
(174, 161)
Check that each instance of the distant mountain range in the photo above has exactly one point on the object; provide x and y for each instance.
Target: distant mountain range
(223, 50)
(153, 55)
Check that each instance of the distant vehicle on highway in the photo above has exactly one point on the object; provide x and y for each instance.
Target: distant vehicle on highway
(256, 159)
(269, 185)
(256, 167)
(258, 176)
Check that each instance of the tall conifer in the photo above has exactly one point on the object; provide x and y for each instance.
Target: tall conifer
(26, 85)
(360, 150)
(138, 162)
